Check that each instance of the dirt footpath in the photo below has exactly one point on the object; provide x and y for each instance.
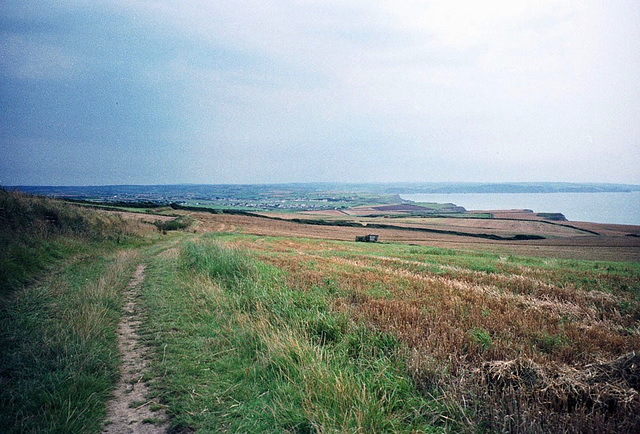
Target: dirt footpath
(130, 410)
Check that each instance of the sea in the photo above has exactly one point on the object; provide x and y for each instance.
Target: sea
(619, 208)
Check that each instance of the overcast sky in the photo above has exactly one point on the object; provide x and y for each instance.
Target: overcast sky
(149, 92)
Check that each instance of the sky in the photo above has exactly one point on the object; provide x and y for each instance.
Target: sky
(161, 92)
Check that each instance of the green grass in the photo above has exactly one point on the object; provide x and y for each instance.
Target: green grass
(481, 338)
(237, 350)
(59, 359)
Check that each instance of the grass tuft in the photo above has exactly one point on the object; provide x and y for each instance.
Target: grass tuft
(217, 261)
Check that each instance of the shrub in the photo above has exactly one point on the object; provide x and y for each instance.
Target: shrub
(173, 225)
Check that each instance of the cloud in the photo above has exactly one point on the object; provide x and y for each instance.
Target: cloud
(331, 90)
(25, 59)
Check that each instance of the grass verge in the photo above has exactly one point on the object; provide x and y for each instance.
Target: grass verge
(238, 350)
(59, 357)
(37, 232)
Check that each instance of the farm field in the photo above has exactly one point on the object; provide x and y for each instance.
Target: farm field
(273, 324)
(569, 240)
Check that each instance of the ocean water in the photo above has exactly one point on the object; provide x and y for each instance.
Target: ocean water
(620, 208)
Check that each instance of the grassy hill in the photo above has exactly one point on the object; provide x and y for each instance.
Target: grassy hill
(253, 333)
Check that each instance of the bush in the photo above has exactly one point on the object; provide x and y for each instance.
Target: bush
(173, 225)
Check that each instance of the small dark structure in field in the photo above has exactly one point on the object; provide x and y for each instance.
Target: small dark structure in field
(368, 239)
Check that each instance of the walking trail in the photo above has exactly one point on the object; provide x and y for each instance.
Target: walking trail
(129, 411)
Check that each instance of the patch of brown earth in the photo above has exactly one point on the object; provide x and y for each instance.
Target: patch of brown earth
(130, 410)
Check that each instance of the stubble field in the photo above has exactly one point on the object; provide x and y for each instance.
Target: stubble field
(568, 240)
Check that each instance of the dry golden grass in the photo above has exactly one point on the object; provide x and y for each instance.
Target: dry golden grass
(526, 335)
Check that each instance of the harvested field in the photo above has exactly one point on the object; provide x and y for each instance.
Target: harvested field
(526, 337)
(326, 213)
(493, 226)
(561, 240)
(399, 207)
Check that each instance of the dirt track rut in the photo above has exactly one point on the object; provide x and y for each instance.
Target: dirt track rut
(130, 410)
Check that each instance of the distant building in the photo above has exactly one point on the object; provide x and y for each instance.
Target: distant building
(367, 238)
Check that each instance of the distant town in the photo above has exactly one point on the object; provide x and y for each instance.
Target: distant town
(296, 197)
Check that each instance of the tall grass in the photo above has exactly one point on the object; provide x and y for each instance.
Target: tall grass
(239, 350)
(218, 262)
(59, 357)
